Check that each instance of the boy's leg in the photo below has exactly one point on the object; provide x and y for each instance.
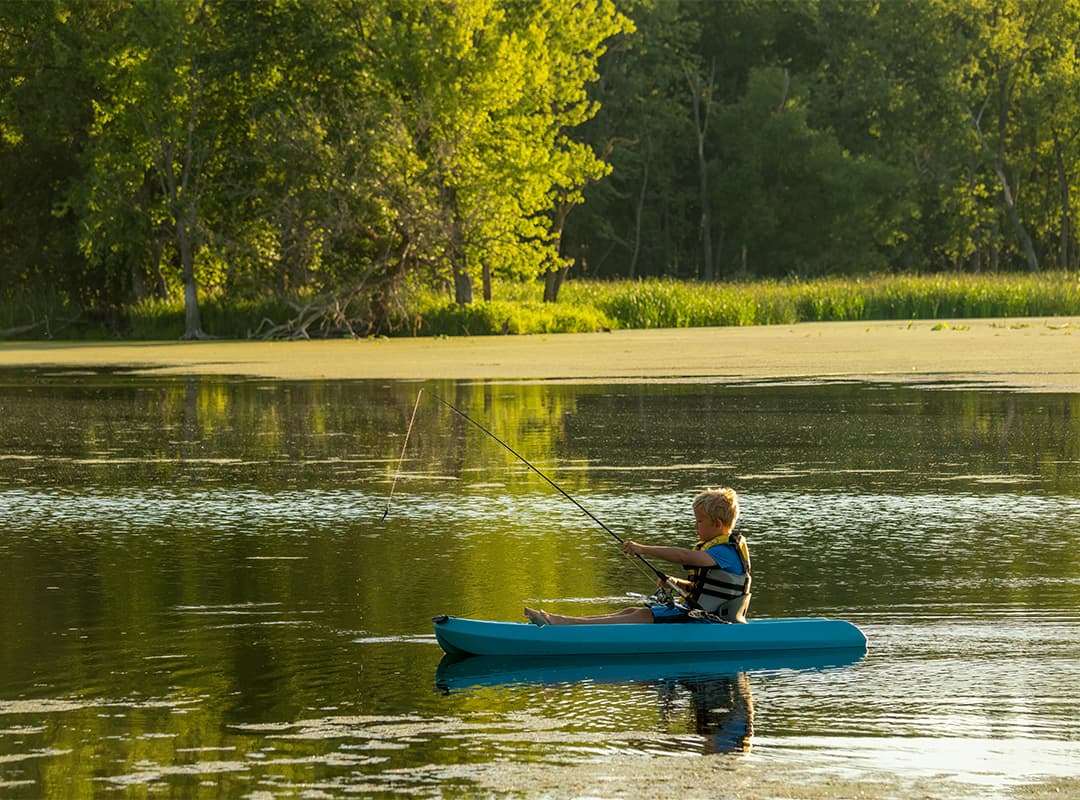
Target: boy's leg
(638, 615)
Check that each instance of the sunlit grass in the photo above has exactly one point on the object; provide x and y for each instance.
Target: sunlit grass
(591, 305)
(654, 303)
(510, 317)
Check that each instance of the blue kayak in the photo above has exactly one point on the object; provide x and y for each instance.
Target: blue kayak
(459, 637)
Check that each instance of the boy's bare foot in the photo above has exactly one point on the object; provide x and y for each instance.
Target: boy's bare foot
(536, 617)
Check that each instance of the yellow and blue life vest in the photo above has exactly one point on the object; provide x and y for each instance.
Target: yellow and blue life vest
(715, 589)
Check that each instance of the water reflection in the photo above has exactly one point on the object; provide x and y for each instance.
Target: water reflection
(198, 595)
(709, 696)
(722, 710)
(462, 674)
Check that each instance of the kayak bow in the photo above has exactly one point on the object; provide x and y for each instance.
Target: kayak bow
(459, 637)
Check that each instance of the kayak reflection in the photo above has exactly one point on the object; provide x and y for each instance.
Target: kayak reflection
(715, 689)
(460, 673)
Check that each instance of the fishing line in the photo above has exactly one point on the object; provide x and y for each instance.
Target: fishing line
(665, 578)
(401, 459)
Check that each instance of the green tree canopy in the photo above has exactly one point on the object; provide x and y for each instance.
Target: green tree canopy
(327, 154)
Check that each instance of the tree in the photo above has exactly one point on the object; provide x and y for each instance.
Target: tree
(45, 108)
(302, 214)
(639, 219)
(330, 152)
(153, 141)
(702, 92)
(971, 95)
(480, 94)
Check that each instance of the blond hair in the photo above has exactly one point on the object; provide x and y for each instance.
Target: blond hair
(721, 505)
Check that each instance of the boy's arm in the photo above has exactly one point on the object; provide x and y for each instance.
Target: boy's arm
(675, 555)
(681, 583)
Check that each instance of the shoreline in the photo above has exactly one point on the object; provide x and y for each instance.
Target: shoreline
(1026, 354)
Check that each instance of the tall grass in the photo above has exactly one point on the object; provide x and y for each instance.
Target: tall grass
(590, 305)
(672, 304)
(221, 316)
(656, 303)
(447, 319)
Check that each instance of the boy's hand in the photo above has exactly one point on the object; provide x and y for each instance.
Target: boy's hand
(677, 585)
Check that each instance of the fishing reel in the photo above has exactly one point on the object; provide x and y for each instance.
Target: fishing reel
(661, 597)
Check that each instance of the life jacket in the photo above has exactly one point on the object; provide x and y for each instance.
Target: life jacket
(717, 592)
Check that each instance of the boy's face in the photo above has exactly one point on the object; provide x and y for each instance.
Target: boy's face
(706, 528)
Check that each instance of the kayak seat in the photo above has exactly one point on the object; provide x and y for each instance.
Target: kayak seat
(734, 610)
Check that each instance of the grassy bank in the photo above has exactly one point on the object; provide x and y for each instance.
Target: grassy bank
(594, 305)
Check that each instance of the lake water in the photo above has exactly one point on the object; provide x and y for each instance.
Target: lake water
(199, 596)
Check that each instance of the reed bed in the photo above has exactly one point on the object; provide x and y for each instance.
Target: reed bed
(591, 305)
(656, 303)
(666, 304)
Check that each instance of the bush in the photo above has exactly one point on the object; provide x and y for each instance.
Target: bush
(221, 317)
(496, 317)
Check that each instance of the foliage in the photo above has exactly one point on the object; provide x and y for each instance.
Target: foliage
(666, 303)
(589, 306)
(502, 317)
(319, 158)
(278, 147)
(163, 318)
(44, 113)
(844, 137)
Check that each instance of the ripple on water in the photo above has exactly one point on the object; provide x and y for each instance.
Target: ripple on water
(202, 636)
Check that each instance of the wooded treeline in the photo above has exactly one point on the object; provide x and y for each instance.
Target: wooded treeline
(331, 151)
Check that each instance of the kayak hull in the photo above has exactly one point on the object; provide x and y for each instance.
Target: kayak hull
(462, 637)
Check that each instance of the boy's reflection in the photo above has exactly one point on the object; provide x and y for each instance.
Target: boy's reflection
(722, 708)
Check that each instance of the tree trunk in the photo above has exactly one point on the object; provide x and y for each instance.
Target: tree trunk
(553, 281)
(1014, 218)
(553, 278)
(639, 211)
(1066, 206)
(1008, 192)
(463, 290)
(997, 159)
(455, 235)
(192, 317)
(702, 104)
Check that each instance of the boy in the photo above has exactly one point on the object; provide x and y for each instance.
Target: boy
(719, 564)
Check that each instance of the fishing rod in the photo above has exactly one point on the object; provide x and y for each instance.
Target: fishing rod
(664, 578)
(401, 459)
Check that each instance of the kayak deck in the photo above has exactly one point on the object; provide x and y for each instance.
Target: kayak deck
(461, 636)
